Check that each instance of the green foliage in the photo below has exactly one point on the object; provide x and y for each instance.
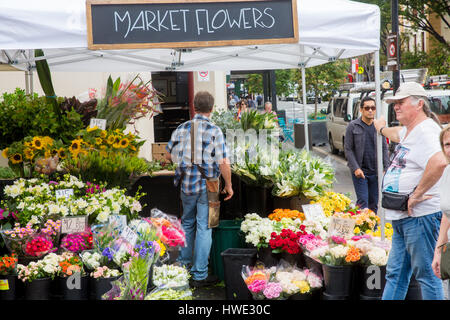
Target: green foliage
(7, 173)
(24, 115)
(45, 78)
(115, 169)
(437, 60)
(252, 119)
(225, 119)
(254, 83)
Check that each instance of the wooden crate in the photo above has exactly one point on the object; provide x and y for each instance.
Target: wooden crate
(158, 156)
(159, 147)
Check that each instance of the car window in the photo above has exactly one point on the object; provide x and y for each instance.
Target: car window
(440, 104)
(339, 108)
(329, 106)
(355, 108)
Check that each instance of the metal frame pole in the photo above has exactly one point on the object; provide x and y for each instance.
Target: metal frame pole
(305, 116)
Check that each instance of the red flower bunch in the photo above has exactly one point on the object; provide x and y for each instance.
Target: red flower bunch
(286, 241)
(77, 242)
(38, 246)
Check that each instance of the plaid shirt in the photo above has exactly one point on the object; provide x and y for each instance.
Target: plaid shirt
(209, 153)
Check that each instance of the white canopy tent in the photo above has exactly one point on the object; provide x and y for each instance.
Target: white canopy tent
(328, 30)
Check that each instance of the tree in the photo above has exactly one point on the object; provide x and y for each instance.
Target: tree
(437, 60)
(420, 12)
(284, 83)
(323, 79)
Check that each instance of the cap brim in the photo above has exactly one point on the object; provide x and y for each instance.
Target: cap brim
(395, 98)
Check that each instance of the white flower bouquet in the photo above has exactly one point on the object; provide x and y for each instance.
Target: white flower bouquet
(171, 276)
(258, 230)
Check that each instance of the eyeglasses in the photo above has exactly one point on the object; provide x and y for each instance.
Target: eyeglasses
(370, 108)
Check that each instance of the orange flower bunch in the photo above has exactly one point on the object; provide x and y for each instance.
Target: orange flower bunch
(70, 266)
(279, 214)
(257, 275)
(8, 264)
(353, 255)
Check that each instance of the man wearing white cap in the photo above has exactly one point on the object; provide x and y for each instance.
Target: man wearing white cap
(411, 195)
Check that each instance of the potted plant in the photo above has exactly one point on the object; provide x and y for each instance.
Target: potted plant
(37, 277)
(8, 276)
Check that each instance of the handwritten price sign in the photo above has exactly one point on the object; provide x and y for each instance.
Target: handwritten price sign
(73, 224)
(129, 235)
(341, 227)
(63, 193)
(313, 211)
(100, 123)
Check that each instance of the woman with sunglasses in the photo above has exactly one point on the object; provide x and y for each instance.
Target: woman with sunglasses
(361, 152)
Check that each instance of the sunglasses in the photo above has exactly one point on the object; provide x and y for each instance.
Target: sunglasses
(370, 108)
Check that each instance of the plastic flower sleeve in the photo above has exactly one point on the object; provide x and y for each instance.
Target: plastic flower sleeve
(170, 293)
(38, 245)
(169, 228)
(105, 234)
(256, 279)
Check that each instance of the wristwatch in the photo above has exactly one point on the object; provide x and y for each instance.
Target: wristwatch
(381, 130)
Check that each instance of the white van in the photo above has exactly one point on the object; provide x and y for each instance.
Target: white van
(341, 110)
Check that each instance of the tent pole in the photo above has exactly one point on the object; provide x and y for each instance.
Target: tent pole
(27, 84)
(380, 138)
(305, 117)
(30, 70)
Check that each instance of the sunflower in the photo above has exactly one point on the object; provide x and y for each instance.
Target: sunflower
(103, 154)
(29, 154)
(37, 143)
(98, 141)
(62, 153)
(111, 139)
(47, 141)
(54, 152)
(5, 153)
(47, 154)
(116, 143)
(124, 143)
(16, 158)
(75, 147)
(103, 134)
(89, 129)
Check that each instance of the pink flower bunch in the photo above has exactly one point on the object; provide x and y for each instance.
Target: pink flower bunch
(77, 242)
(311, 242)
(272, 290)
(172, 236)
(94, 188)
(257, 286)
(51, 228)
(338, 240)
(314, 280)
(365, 236)
(18, 232)
(38, 246)
(4, 213)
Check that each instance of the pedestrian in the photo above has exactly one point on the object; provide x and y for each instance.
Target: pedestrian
(415, 170)
(190, 175)
(250, 102)
(259, 99)
(445, 204)
(361, 152)
(242, 107)
(268, 108)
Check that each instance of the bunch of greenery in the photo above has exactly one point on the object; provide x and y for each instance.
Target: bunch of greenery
(23, 115)
(225, 119)
(252, 119)
(114, 169)
(7, 173)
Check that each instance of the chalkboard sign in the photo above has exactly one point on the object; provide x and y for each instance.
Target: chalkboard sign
(136, 24)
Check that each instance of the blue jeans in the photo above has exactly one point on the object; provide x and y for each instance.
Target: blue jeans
(412, 251)
(366, 191)
(198, 236)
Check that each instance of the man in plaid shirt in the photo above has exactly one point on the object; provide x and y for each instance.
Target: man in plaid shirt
(211, 155)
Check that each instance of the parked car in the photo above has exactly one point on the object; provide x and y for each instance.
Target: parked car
(341, 110)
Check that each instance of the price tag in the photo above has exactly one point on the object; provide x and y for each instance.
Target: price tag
(100, 123)
(129, 235)
(73, 224)
(63, 193)
(120, 220)
(4, 285)
(341, 227)
(313, 211)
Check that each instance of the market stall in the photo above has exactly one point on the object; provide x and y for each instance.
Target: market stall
(327, 31)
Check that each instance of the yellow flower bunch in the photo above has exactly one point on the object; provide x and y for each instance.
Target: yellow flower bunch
(388, 232)
(279, 214)
(333, 202)
(365, 219)
(104, 142)
(26, 152)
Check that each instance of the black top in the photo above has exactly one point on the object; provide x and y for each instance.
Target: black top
(369, 164)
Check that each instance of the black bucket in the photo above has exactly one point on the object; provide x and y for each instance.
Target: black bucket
(100, 286)
(327, 296)
(267, 257)
(233, 260)
(38, 289)
(338, 280)
(301, 296)
(370, 286)
(294, 259)
(8, 287)
(80, 293)
(363, 297)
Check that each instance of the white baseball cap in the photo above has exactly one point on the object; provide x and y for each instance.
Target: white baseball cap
(407, 89)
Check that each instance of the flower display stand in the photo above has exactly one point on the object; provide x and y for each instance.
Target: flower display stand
(38, 289)
(8, 287)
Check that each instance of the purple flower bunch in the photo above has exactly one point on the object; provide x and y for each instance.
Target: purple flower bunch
(136, 294)
(145, 249)
(51, 228)
(108, 253)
